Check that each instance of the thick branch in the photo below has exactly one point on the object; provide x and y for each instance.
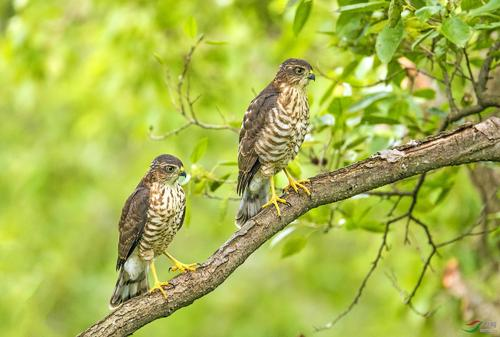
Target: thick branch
(472, 143)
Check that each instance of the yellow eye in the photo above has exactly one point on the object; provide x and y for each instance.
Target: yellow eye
(299, 70)
(170, 168)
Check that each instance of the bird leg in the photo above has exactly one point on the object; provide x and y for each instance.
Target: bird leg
(157, 284)
(179, 266)
(274, 198)
(292, 183)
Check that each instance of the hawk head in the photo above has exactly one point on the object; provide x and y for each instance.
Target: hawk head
(167, 169)
(294, 72)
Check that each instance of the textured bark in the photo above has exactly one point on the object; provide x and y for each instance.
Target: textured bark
(470, 143)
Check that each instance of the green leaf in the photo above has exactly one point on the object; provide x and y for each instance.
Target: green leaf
(425, 93)
(489, 7)
(425, 13)
(301, 15)
(395, 72)
(367, 101)
(430, 34)
(487, 26)
(199, 150)
(228, 163)
(456, 31)
(293, 246)
(215, 184)
(216, 43)
(442, 195)
(363, 7)
(469, 4)
(349, 25)
(372, 119)
(190, 27)
(356, 142)
(398, 108)
(388, 41)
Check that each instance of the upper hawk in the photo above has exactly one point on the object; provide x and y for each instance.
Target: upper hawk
(272, 132)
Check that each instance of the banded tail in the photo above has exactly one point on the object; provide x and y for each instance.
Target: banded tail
(251, 203)
(132, 281)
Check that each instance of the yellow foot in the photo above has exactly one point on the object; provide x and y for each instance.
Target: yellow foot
(182, 267)
(274, 201)
(159, 285)
(296, 184)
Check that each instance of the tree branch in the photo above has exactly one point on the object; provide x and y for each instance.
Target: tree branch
(472, 143)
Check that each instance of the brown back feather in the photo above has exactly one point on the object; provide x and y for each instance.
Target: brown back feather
(253, 123)
(132, 221)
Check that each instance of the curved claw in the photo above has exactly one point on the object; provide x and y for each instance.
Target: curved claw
(183, 268)
(294, 184)
(159, 286)
(274, 201)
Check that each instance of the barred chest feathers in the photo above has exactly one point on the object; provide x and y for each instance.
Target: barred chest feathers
(285, 132)
(166, 208)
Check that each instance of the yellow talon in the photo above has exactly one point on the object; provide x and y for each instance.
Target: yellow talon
(274, 199)
(179, 266)
(292, 183)
(157, 284)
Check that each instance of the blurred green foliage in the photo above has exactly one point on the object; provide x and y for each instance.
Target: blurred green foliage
(82, 82)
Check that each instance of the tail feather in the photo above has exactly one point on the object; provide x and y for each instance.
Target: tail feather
(250, 204)
(128, 286)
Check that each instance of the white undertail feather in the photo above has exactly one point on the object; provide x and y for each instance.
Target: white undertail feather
(252, 201)
(132, 281)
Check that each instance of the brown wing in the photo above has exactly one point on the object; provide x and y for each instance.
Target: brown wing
(132, 221)
(253, 123)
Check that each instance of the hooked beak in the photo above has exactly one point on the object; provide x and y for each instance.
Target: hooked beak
(183, 177)
(311, 77)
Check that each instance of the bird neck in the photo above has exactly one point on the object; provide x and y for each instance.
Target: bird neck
(290, 95)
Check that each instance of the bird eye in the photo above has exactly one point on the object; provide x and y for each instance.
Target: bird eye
(170, 169)
(299, 70)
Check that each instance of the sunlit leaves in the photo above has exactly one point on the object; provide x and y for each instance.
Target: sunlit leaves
(426, 93)
(363, 7)
(489, 7)
(425, 13)
(457, 31)
(388, 41)
(301, 15)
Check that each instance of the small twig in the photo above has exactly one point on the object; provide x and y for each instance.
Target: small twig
(390, 193)
(413, 203)
(447, 86)
(216, 197)
(185, 104)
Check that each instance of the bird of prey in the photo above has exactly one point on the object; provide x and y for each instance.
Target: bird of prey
(273, 129)
(151, 217)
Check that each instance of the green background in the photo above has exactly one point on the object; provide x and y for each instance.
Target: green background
(81, 84)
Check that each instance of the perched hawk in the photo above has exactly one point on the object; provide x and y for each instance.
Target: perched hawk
(272, 132)
(151, 217)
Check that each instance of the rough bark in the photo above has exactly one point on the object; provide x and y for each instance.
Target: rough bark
(470, 143)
